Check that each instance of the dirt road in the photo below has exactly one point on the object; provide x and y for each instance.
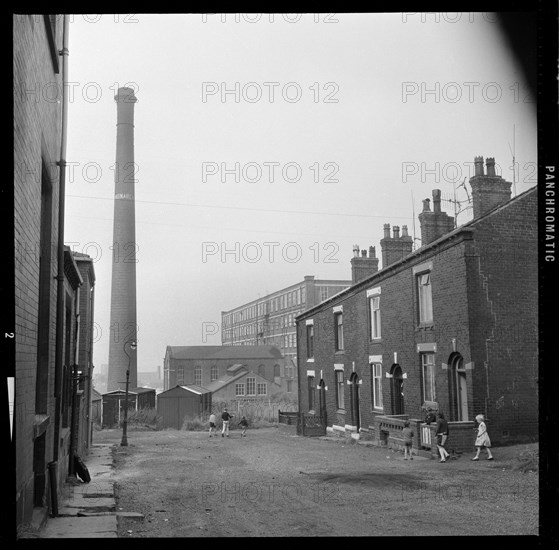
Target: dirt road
(268, 484)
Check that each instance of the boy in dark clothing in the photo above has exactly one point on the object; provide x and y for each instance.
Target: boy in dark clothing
(407, 435)
(226, 417)
(442, 434)
(244, 425)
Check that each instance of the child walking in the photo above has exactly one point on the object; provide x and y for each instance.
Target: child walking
(407, 435)
(244, 425)
(226, 418)
(212, 424)
(442, 435)
(482, 439)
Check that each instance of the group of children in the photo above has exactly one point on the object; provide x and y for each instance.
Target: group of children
(226, 419)
(482, 439)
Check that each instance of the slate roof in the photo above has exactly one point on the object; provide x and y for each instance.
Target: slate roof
(234, 353)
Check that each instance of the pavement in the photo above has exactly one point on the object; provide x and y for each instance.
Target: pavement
(88, 510)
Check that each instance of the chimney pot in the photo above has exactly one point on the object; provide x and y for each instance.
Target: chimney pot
(426, 207)
(372, 253)
(355, 250)
(478, 166)
(396, 232)
(363, 253)
(436, 200)
(490, 165)
(405, 231)
(387, 231)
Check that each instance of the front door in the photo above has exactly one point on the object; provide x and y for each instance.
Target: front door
(354, 385)
(397, 390)
(322, 400)
(461, 386)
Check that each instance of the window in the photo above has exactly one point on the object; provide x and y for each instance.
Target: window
(276, 371)
(214, 373)
(198, 376)
(424, 298)
(261, 371)
(310, 341)
(180, 376)
(289, 385)
(262, 388)
(376, 385)
(339, 326)
(374, 308)
(251, 386)
(428, 376)
(311, 390)
(239, 390)
(340, 389)
(323, 293)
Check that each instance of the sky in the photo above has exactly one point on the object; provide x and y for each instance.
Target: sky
(338, 124)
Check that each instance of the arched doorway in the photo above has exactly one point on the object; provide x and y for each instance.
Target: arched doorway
(322, 400)
(458, 388)
(354, 400)
(397, 390)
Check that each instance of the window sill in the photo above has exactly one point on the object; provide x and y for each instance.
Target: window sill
(340, 352)
(340, 411)
(310, 360)
(425, 326)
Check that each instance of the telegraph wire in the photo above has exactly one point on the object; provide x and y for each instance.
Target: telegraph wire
(250, 209)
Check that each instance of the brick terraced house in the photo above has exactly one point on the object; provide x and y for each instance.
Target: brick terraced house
(53, 287)
(452, 325)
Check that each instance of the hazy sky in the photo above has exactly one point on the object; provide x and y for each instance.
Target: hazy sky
(368, 111)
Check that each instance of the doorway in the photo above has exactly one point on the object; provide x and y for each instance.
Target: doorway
(354, 399)
(397, 390)
(322, 400)
(459, 388)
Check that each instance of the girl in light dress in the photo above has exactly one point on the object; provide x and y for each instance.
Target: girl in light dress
(482, 439)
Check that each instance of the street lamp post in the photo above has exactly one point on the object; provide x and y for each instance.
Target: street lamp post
(124, 441)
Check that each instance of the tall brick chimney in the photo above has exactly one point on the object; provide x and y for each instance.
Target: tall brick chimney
(396, 247)
(488, 190)
(363, 266)
(122, 355)
(436, 223)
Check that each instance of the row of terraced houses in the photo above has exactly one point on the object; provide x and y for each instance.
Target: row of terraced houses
(452, 325)
(53, 286)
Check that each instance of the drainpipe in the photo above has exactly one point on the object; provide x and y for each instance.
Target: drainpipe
(53, 466)
(89, 367)
(60, 276)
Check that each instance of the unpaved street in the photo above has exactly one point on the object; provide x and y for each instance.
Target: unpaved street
(269, 484)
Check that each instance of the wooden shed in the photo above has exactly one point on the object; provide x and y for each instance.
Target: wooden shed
(96, 406)
(182, 402)
(146, 398)
(113, 407)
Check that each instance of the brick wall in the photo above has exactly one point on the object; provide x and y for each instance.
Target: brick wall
(36, 141)
(206, 365)
(505, 285)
